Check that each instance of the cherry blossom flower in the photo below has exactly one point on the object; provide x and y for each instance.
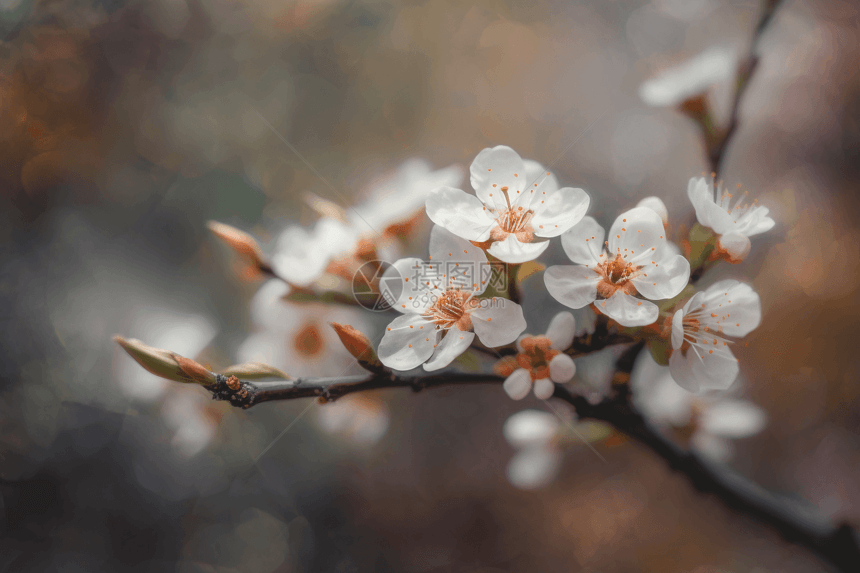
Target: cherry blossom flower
(297, 337)
(735, 221)
(540, 362)
(691, 78)
(701, 357)
(345, 238)
(656, 204)
(709, 421)
(442, 313)
(518, 204)
(635, 260)
(535, 436)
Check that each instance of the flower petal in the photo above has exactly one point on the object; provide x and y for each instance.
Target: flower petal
(733, 419)
(452, 345)
(460, 262)
(557, 212)
(561, 330)
(678, 329)
(736, 245)
(754, 221)
(405, 344)
(738, 302)
(401, 287)
(635, 233)
(461, 213)
(690, 78)
(297, 257)
(512, 251)
(543, 388)
(498, 321)
(583, 243)
(628, 310)
(572, 285)
(562, 369)
(533, 468)
(708, 213)
(530, 427)
(501, 166)
(665, 279)
(518, 384)
(704, 367)
(656, 204)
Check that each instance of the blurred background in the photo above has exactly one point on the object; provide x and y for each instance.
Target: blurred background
(126, 125)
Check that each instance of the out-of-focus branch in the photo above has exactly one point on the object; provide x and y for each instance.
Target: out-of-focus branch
(717, 151)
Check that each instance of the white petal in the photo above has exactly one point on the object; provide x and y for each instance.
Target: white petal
(452, 345)
(297, 257)
(512, 251)
(733, 419)
(400, 288)
(708, 213)
(678, 329)
(693, 77)
(665, 279)
(561, 330)
(536, 173)
(583, 242)
(736, 245)
(754, 221)
(657, 395)
(562, 369)
(738, 302)
(498, 321)
(573, 286)
(404, 345)
(533, 468)
(530, 427)
(461, 213)
(638, 230)
(462, 263)
(705, 367)
(543, 388)
(656, 205)
(627, 310)
(501, 166)
(557, 212)
(518, 384)
(713, 447)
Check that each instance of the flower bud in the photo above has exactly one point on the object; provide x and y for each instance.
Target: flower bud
(561, 330)
(562, 368)
(544, 388)
(656, 205)
(358, 345)
(325, 208)
(518, 384)
(254, 371)
(196, 371)
(242, 243)
(734, 246)
(155, 360)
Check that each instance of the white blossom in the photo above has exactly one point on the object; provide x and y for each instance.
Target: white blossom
(735, 219)
(656, 204)
(701, 357)
(711, 420)
(538, 458)
(442, 315)
(362, 418)
(541, 362)
(691, 78)
(518, 205)
(302, 256)
(635, 260)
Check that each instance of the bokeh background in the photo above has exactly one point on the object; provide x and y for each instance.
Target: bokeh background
(125, 126)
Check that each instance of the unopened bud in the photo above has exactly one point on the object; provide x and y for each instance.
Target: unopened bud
(562, 368)
(254, 371)
(325, 208)
(196, 371)
(734, 247)
(160, 362)
(242, 243)
(561, 330)
(358, 344)
(656, 205)
(544, 388)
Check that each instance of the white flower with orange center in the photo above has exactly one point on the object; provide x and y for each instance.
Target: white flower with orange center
(730, 215)
(635, 260)
(708, 422)
(541, 361)
(701, 357)
(518, 206)
(442, 311)
(344, 238)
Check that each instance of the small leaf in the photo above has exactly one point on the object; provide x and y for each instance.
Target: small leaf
(359, 345)
(195, 370)
(242, 243)
(254, 371)
(155, 360)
